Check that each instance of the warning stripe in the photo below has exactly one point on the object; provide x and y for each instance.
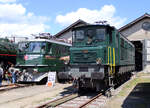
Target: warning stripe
(7, 55)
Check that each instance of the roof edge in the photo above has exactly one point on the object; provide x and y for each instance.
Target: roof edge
(134, 21)
(69, 27)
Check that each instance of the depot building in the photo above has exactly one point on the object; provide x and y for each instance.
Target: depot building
(137, 31)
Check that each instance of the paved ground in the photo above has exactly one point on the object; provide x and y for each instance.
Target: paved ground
(133, 94)
(31, 96)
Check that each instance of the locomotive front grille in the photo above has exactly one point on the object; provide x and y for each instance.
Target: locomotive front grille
(83, 69)
(89, 57)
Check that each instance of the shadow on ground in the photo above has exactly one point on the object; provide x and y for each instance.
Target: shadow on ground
(67, 90)
(139, 97)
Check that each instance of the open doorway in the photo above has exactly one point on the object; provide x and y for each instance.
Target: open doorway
(138, 55)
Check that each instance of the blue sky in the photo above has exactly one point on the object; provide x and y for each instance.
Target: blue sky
(24, 17)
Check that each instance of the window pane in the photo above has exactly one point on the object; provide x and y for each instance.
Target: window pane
(90, 33)
(79, 35)
(35, 47)
(100, 34)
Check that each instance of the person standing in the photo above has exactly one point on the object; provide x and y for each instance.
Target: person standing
(7, 77)
(13, 73)
(1, 75)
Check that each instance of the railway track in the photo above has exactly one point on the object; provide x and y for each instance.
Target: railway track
(59, 101)
(90, 101)
(77, 101)
(13, 86)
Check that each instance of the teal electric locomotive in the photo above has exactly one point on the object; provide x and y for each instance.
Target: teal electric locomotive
(37, 57)
(100, 57)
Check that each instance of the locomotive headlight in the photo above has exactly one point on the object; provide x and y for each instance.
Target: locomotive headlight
(98, 61)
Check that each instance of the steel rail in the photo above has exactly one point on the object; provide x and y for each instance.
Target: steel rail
(91, 100)
(11, 87)
(59, 101)
(6, 85)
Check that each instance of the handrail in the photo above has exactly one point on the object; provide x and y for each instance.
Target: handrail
(114, 62)
(110, 62)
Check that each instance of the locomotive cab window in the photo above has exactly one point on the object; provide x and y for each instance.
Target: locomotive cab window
(79, 35)
(100, 34)
(36, 47)
(90, 33)
(43, 47)
(49, 49)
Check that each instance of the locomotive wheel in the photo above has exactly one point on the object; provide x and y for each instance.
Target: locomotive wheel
(79, 88)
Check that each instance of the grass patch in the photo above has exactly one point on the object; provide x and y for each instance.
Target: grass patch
(132, 84)
(142, 74)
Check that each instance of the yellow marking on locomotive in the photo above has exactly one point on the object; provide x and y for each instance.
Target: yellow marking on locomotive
(112, 65)
(114, 62)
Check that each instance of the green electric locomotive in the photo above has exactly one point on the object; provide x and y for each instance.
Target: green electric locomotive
(100, 57)
(37, 57)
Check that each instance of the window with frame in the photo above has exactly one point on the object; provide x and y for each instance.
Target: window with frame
(117, 39)
(122, 49)
(90, 33)
(49, 48)
(100, 34)
(79, 35)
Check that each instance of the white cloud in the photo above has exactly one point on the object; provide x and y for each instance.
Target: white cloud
(107, 12)
(21, 29)
(7, 1)
(14, 20)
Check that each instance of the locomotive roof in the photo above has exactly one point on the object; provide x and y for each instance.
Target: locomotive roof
(51, 41)
(92, 25)
(106, 26)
